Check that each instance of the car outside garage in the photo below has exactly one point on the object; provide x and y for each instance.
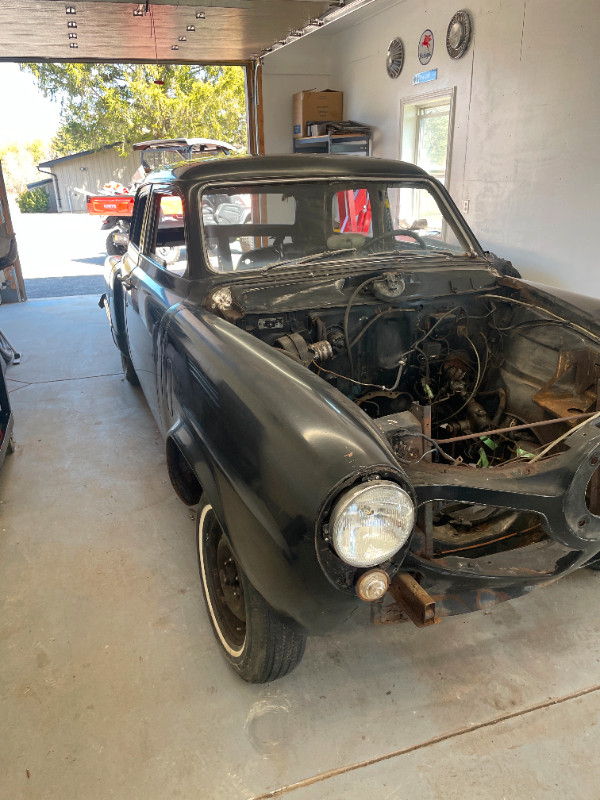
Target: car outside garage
(113, 683)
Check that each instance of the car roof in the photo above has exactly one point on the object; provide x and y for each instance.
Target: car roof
(296, 166)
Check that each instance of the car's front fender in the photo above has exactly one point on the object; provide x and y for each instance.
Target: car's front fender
(273, 440)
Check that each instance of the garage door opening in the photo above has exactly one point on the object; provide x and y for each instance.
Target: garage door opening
(105, 109)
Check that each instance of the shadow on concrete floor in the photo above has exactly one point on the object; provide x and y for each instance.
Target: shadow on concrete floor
(65, 286)
(96, 260)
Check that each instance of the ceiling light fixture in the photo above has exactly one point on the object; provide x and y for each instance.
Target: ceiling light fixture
(174, 47)
(183, 38)
(190, 28)
(73, 45)
(72, 36)
(200, 15)
(70, 10)
(71, 24)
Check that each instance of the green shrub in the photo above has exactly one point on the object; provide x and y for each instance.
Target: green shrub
(33, 201)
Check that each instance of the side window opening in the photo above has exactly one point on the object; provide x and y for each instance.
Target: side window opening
(138, 216)
(167, 246)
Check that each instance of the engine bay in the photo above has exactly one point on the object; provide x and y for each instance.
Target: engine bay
(472, 379)
(464, 366)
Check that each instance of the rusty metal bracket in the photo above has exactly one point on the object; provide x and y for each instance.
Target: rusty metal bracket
(416, 603)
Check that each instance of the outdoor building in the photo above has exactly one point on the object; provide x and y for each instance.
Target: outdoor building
(84, 173)
(48, 185)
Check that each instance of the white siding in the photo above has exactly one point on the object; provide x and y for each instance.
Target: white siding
(90, 173)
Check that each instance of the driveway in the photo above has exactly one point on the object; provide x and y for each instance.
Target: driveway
(61, 254)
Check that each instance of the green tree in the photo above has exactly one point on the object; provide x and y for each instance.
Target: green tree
(19, 163)
(34, 201)
(106, 103)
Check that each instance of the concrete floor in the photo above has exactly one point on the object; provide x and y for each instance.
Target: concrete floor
(72, 265)
(111, 685)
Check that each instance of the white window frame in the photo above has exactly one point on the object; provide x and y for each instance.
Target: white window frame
(409, 107)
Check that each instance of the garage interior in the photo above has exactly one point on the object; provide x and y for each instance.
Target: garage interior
(111, 683)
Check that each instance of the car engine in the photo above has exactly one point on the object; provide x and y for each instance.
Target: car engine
(470, 374)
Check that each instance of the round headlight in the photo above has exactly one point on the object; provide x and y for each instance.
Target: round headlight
(371, 522)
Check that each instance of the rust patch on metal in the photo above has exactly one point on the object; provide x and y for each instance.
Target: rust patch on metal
(583, 364)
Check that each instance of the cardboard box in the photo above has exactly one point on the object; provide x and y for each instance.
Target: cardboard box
(313, 106)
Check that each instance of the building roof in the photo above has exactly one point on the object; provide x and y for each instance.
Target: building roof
(60, 160)
(39, 184)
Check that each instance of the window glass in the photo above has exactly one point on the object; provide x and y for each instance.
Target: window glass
(416, 210)
(168, 247)
(255, 227)
(248, 228)
(352, 212)
(432, 139)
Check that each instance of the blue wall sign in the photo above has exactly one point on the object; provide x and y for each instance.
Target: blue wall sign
(425, 77)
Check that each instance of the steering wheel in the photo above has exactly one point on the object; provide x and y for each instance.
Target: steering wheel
(396, 232)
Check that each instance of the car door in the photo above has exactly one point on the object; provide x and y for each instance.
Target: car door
(156, 283)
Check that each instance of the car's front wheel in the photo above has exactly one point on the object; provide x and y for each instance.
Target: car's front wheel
(257, 642)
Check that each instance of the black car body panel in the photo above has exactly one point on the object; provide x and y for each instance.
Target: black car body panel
(272, 435)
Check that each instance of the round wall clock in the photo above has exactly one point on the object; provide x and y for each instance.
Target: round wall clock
(426, 47)
(458, 36)
(395, 58)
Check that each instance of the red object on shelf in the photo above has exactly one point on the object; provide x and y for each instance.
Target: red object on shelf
(355, 211)
(111, 205)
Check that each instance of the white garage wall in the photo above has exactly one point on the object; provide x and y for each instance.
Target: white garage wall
(527, 116)
(292, 69)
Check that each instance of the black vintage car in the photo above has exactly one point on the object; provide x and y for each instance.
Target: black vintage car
(365, 406)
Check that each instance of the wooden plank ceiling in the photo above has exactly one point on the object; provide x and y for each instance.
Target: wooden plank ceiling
(216, 31)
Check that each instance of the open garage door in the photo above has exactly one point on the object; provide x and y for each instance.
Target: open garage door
(11, 280)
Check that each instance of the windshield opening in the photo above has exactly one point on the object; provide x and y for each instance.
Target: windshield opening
(247, 227)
